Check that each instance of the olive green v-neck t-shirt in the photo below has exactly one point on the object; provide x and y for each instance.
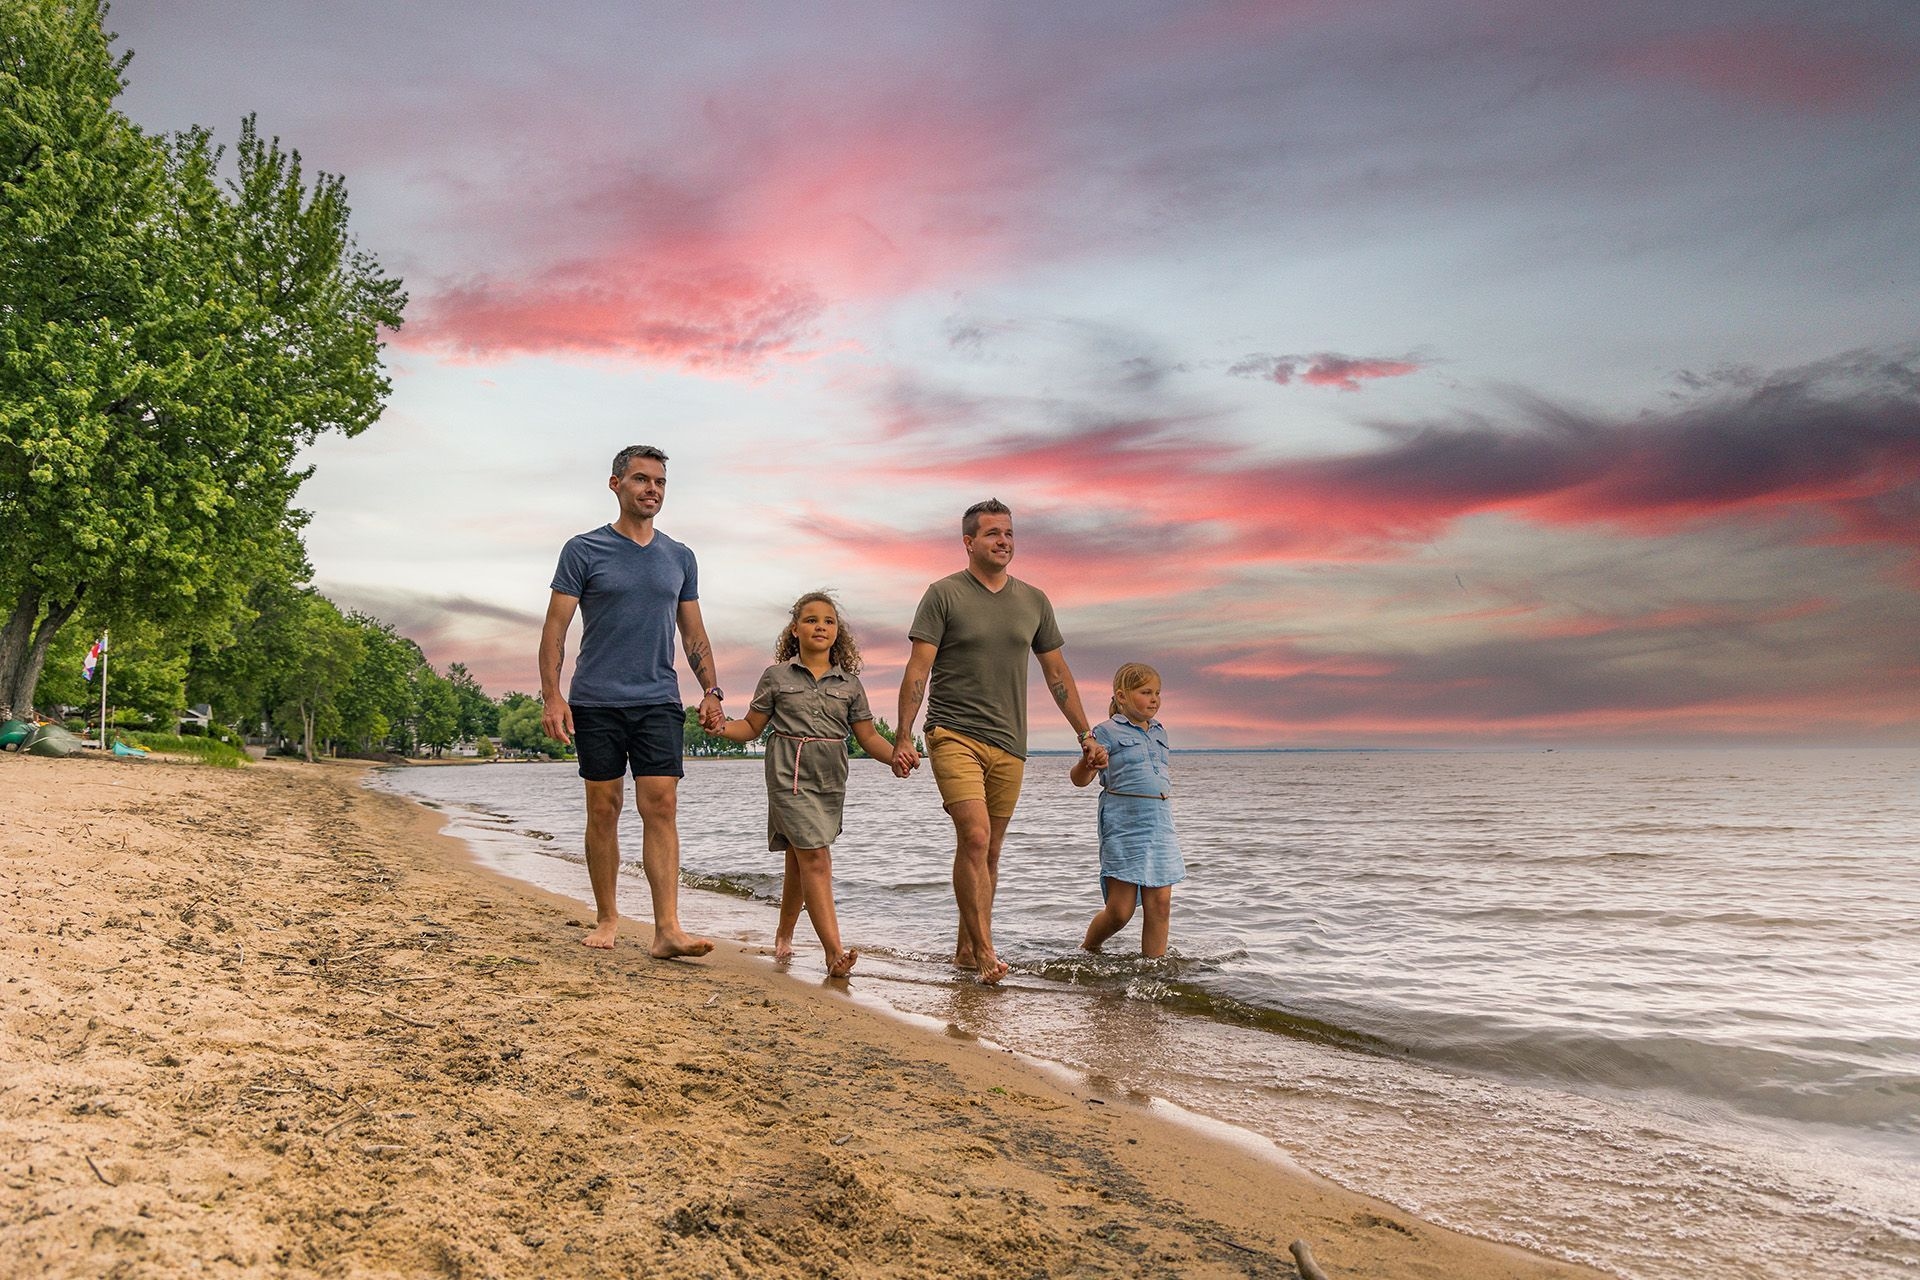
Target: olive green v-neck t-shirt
(979, 685)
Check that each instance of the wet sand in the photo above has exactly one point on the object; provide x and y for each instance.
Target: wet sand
(267, 1022)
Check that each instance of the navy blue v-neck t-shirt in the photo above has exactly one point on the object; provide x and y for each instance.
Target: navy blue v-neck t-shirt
(628, 596)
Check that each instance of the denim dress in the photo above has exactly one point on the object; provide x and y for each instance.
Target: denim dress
(1137, 843)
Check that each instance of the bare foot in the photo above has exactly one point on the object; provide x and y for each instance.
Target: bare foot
(601, 938)
(782, 948)
(963, 958)
(674, 945)
(993, 970)
(844, 965)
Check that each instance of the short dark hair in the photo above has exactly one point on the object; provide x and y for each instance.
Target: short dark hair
(970, 518)
(624, 459)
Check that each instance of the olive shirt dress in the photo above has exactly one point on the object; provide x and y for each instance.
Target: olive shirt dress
(807, 755)
(1137, 844)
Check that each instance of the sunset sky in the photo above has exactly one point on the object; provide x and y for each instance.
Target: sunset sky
(1475, 372)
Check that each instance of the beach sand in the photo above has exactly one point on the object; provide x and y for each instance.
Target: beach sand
(264, 1021)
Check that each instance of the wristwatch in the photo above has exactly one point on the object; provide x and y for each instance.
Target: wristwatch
(716, 694)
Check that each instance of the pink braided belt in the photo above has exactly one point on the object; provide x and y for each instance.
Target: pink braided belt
(800, 741)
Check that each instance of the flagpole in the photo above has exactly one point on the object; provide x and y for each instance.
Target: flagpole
(103, 691)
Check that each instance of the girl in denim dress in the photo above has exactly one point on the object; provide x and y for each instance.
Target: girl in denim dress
(1140, 858)
(812, 698)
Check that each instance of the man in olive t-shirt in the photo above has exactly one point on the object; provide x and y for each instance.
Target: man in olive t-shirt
(971, 635)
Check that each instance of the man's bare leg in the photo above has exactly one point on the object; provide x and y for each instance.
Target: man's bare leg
(996, 836)
(973, 883)
(658, 799)
(604, 803)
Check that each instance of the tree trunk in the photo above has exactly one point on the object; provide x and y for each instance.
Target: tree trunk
(14, 642)
(23, 648)
(306, 731)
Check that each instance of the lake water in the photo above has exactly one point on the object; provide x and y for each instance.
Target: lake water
(1658, 1011)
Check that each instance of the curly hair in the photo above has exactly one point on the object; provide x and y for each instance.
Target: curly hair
(845, 653)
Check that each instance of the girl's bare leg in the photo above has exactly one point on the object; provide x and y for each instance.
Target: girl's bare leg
(1113, 917)
(816, 878)
(1158, 902)
(792, 898)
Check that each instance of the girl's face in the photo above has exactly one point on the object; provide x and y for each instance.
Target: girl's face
(816, 629)
(1139, 704)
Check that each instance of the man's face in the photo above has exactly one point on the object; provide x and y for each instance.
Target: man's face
(642, 490)
(991, 547)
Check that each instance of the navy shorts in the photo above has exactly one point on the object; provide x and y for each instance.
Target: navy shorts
(649, 741)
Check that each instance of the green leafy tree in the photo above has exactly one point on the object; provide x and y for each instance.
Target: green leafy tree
(378, 707)
(479, 716)
(168, 343)
(327, 652)
(698, 742)
(437, 722)
(78, 191)
(520, 729)
(238, 673)
(146, 675)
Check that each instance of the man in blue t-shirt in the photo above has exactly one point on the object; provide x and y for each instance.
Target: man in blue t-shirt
(633, 585)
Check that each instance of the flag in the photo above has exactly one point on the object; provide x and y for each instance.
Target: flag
(93, 656)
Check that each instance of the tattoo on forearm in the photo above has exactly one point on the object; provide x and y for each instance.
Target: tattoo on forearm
(1059, 688)
(697, 659)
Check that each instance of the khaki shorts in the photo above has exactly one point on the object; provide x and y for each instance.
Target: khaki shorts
(968, 770)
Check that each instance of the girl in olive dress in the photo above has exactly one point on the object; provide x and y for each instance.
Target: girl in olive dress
(812, 698)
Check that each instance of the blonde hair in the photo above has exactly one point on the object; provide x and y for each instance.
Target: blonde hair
(845, 653)
(1130, 676)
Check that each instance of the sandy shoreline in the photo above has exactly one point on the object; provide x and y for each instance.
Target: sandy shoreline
(268, 1022)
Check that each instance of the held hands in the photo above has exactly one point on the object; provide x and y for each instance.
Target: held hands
(712, 718)
(905, 758)
(1093, 753)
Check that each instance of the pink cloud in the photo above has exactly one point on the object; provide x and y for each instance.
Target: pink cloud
(1719, 619)
(729, 252)
(1344, 373)
(1542, 688)
(1834, 448)
(719, 226)
(1325, 369)
(1775, 65)
(1285, 662)
(719, 320)
(1079, 569)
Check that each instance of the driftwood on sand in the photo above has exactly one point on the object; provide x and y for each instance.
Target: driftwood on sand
(1303, 1258)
